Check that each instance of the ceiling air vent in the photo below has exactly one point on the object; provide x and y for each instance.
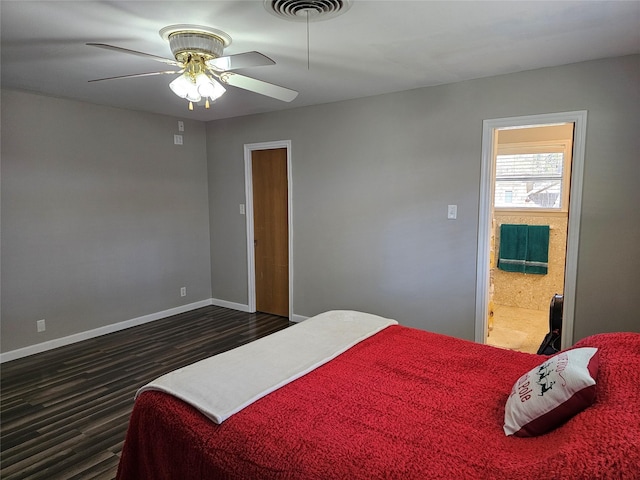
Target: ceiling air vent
(307, 10)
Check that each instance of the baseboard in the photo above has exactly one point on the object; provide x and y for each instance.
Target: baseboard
(245, 308)
(97, 332)
(232, 305)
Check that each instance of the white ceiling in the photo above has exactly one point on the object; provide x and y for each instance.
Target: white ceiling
(375, 47)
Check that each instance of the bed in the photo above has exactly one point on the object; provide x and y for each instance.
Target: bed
(401, 403)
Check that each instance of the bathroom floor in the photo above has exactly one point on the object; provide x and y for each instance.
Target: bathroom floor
(518, 328)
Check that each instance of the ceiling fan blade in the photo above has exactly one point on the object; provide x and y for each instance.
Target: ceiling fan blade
(241, 60)
(168, 61)
(168, 72)
(258, 86)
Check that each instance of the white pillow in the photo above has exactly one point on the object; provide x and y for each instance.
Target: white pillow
(552, 393)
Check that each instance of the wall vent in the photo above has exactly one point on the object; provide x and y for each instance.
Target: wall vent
(307, 10)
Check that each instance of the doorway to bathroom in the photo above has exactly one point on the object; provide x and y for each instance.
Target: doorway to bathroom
(531, 178)
(532, 173)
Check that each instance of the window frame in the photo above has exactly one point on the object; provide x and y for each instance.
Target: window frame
(523, 148)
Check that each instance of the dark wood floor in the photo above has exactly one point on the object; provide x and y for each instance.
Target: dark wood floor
(65, 412)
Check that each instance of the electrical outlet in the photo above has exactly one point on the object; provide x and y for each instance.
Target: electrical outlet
(452, 212)
(183, 292)
(180, 126)
(177, 139)
(41, 326)
(242, 209)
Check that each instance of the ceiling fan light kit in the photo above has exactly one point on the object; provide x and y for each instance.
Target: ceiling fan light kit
(198, 51)
(194, 46)
(196, 87)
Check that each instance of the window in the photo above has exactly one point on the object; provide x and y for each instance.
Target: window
(532, 177)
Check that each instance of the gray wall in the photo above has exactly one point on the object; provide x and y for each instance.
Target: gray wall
(103, 218)
(372, 179)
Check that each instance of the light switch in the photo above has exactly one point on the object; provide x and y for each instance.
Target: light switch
(180, 126)
(242, 209)
(452, 212)
(177, 139)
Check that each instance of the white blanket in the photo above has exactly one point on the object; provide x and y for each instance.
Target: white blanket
(224, 384)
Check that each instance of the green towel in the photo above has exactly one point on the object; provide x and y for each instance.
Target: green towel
(524, 248)
(537, 249)
(513, 247)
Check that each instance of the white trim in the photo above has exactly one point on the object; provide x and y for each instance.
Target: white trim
(573, 235)
(248, 182)
(484, 234)
(298, 318)
(579, 119)
(251, 261)
(232, 305)
(97, 332)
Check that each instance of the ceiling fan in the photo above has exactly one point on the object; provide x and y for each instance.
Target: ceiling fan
(203, 70)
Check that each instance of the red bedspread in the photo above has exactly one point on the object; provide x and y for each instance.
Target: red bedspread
(403, 404)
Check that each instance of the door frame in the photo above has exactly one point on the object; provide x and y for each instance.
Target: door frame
(248, 183)
(579, 119)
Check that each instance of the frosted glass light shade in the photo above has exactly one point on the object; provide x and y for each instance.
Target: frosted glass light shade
(203, 87)
(208, 87)
(182, 85)
(193, 95)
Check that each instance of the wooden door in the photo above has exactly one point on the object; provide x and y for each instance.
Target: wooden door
(271, 230)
